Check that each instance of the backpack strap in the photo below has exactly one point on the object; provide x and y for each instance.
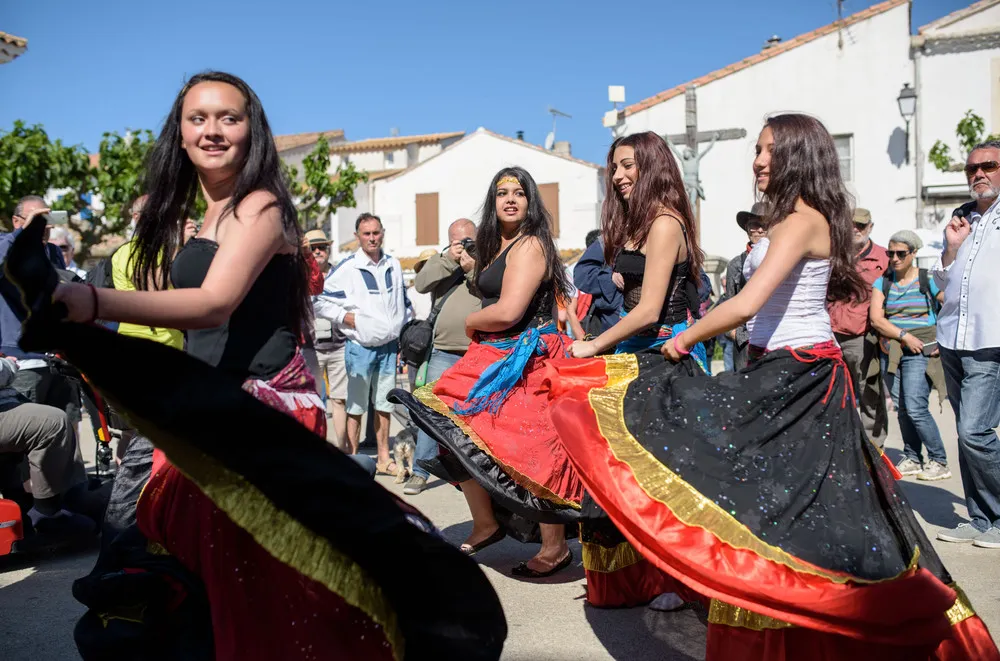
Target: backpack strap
(925, 289)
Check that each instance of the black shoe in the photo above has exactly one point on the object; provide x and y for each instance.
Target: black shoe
(524, 571)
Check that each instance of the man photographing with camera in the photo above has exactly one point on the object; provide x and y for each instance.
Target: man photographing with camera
(447, 277)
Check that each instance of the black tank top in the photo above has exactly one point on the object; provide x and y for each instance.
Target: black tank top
(258, 340)
(539, 311)
(631, 264)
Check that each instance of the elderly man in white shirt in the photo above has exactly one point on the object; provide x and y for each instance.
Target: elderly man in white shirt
(366, 298)
(969, 338)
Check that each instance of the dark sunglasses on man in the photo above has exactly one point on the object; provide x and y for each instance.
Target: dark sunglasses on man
(861, 227)
(321, 247)
(988, 167)
(900, 254)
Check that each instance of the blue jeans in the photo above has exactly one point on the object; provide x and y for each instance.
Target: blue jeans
(973, 379)
(427, 448)
(727, 353)
(916, 423)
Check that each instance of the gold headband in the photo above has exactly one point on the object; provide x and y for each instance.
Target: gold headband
(509, 179)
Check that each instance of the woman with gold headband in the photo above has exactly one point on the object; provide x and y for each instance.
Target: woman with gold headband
(489, 410)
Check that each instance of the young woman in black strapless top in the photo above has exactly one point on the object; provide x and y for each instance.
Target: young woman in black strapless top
(241, 293)
(652, 242)
(498, 425)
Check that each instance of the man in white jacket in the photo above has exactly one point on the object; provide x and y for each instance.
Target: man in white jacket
(365, 297)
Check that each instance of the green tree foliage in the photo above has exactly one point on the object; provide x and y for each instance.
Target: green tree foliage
(32, 164)
(318, 194)
(970, 132)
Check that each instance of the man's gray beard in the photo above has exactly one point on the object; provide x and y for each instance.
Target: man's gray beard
(991, 194)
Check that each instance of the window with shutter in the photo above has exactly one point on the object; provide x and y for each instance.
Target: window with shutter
(427, 219)
(550, 198)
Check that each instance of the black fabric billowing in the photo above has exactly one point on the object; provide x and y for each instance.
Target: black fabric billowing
(797, 472)
(468, 461)
(157, 611)
(188, 404)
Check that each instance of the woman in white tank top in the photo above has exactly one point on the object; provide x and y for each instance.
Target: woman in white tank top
(758, 489)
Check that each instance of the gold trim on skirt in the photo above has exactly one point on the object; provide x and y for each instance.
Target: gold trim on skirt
(685, 502)
(425, 395)
(285, 538)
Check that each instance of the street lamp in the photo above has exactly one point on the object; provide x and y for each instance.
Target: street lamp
(907, 101)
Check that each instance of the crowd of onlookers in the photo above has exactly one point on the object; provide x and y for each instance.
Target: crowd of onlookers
(920, 330)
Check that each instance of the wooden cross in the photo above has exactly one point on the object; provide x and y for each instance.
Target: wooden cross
(690, 157)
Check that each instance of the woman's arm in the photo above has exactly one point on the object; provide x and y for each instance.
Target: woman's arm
(524, 274)
(251, 240)
(662, 249)
(885, 328)
(795, 238)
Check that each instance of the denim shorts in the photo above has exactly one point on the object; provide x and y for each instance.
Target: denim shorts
(371, 374)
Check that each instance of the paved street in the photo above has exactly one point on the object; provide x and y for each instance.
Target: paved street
(547, 622)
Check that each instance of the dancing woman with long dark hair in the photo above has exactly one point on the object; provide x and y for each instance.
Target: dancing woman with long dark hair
(758, 489)
(651, 240)
(488, 409)
(275, 589)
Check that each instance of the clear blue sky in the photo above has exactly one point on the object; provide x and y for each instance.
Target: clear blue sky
(366, 67)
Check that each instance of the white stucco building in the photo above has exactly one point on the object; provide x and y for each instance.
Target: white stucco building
(417, 204)
(956, 68)
(848, 74)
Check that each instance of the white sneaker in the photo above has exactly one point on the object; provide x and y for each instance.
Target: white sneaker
(934, 471)
(908, 467)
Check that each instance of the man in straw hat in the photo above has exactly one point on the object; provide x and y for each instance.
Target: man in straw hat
(329, 342)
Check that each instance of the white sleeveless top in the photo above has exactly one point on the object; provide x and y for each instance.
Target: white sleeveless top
(795, 315)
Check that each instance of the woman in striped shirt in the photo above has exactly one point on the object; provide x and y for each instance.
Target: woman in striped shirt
(903, 312)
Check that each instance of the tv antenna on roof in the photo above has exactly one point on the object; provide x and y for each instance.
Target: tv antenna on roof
(550, 139)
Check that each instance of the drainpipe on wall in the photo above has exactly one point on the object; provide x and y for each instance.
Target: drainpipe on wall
(919, 163)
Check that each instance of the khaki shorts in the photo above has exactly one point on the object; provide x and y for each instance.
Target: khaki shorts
(331, 364)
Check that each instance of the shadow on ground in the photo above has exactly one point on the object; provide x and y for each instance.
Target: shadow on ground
(631, 633)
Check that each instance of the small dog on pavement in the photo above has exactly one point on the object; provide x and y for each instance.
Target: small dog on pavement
(402, 454)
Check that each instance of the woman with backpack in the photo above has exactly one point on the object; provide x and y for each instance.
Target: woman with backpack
(903, 311)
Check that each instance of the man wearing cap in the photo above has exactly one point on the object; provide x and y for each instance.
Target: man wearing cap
(853, 332)
(329, 343)
(447, 277)
(751, 222)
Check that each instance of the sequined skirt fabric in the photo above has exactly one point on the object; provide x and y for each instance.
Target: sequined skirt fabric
(758, 490)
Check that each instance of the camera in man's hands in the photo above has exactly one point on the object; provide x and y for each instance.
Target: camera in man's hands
(469, 245)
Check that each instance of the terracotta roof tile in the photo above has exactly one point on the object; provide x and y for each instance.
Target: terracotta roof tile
(502, 137)
(782, 47)
(958, 15)
(20, 42)
(293, 140)
(392, 142)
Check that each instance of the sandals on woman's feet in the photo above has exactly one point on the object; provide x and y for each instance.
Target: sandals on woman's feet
(472, 549)
(383, 469)
(524, 571)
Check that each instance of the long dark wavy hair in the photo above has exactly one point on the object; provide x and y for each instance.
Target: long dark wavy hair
(538, 223)
(171, 184)
(804, 165)
(659, 187)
